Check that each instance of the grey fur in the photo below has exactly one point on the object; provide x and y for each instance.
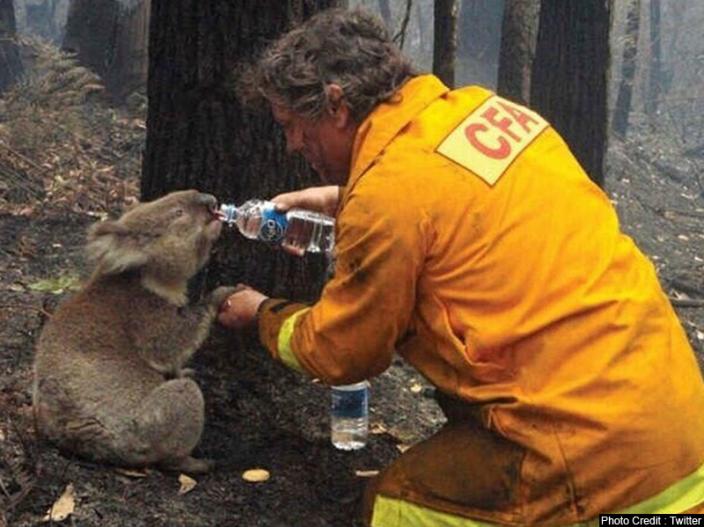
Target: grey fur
(108, 377)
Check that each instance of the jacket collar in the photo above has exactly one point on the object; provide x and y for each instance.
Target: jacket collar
(388, 119)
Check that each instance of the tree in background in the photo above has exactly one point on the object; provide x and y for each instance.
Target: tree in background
(10, 63)
(445, 40)
(385, 11)
(198, 136)
(478, 41)
(519, 30)
(568, 85)
(622, 108)
(110, 37)
(655, 76)
(42, 18)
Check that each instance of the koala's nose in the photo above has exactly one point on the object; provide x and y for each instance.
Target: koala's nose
(207, 200)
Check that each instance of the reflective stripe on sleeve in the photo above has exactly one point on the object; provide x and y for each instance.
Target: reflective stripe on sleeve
(681, 497)
(286, 354)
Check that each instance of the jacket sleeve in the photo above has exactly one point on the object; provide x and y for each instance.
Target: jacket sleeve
(350, 333)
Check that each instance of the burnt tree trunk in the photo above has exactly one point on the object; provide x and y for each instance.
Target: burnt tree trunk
(198, 135)
(10, 63)
(41, 20)
(445, 40)
(519, 30)
(655, 73)
(110, 37)
(385, 10)
(570, 67)
(622, 108)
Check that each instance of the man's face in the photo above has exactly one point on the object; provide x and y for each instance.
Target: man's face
(325, 142)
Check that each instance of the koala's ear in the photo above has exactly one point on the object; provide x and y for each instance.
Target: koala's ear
(113, 248)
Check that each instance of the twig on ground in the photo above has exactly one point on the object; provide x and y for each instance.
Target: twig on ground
(22, 157)
(40, 310)
(4, 488)
(687, 302)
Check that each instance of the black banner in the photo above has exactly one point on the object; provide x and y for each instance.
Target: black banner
(658, 520)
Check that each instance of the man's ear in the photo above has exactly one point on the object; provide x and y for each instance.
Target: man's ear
(337, 105)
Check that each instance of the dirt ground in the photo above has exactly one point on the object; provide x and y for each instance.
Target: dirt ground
(260, 415)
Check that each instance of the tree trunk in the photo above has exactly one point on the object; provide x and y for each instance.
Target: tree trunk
(622, 108)
(445, 40)
(385, 10)
(422, 30)
(110, 37)
(519, 31)
(41, 20)
(655, 77)
(198, 136)
(10, 63)
(568, 85)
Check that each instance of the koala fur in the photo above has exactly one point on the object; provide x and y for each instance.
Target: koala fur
(108, 378)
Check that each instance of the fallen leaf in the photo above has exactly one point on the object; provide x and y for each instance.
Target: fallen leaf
(56, 286)
(63, 507)
(255, 475)
(416, 388)
(131, 473)
(366, 473)
(402, 448)
(187, 484)
(377, 429)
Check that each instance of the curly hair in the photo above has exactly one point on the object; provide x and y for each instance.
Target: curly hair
(351, 48)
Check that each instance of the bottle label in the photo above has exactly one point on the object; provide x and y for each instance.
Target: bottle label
(350, 404)
(273, 226)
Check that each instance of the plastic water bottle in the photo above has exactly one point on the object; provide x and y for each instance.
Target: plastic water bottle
(349, 416)
(298, 229)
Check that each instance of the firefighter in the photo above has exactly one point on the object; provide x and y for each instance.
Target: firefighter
(470, 241)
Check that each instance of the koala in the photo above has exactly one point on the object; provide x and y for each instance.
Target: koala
(109, 382)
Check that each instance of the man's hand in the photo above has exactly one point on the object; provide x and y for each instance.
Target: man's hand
(318, 199)
(240, 308)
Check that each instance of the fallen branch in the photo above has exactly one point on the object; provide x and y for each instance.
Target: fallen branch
(39, 310)
(687, 302)
(22, 157)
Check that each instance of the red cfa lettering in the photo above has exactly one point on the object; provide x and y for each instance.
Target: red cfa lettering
(492, 139)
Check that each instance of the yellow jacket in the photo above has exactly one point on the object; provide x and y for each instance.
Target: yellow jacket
(470, 240)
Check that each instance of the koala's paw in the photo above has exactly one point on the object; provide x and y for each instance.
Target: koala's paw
(219, 295)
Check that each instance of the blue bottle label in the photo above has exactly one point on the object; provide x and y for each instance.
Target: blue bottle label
(350, 404)
(273, 226)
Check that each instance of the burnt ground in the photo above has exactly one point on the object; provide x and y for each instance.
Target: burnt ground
(258, 413)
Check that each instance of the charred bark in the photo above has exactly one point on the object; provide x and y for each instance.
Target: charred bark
(110, 37)
(568, 85)
(198, 135)
(519, 30)
(445, 40)
(10, 62)
(655, 74)
(622, 108)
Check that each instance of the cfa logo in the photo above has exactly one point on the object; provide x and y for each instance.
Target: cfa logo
(491, 137)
